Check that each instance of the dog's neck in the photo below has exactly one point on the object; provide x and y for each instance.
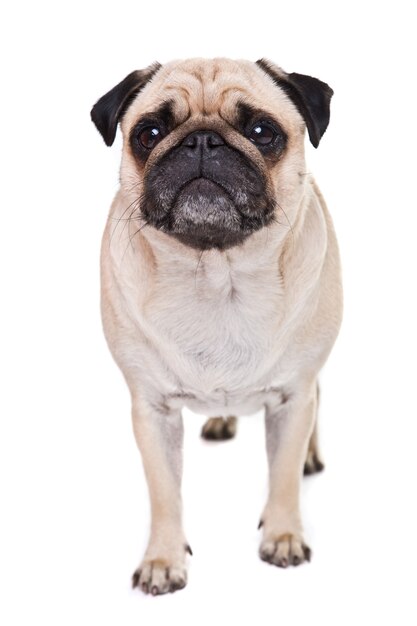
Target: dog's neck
(256, 253)
(154, 253)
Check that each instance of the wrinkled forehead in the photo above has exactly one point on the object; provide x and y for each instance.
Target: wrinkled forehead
(211, 88)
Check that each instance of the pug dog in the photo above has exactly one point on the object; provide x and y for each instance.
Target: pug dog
(221, 288)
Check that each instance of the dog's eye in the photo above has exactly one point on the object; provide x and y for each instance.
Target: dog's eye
(262, 134)
(150, 136)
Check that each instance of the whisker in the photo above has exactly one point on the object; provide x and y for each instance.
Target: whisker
(267, 237)
(126, 219)
(288, 221)
(136, 184)
(118, 220)
(129, 220)
(132, 237)
(196, 269)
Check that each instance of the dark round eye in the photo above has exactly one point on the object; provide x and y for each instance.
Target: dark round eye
(261, 134)
(150, 136)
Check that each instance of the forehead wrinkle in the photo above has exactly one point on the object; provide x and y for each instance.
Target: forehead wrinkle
(221, 93)
(180, 98)
(230, 99)
(188, 85)
(215, 87)
(224, 83)
(206, 86)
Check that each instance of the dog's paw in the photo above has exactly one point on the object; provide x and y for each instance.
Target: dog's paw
(286, 549)
(219, 429)
(158, 575)
(313, 464)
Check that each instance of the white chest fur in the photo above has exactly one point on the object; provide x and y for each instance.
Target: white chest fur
(219, 319)
(217, 327)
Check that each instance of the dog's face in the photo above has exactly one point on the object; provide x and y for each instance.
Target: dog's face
(213, 148)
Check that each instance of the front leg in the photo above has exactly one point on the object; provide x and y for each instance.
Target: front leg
(159, 436)
(288, 429)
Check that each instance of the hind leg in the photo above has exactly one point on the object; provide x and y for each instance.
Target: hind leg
(313, 462)
(219, 428)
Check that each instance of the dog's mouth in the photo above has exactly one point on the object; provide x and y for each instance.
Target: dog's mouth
(202, 186)
(202, 203)
(205, 216)
(215, 199)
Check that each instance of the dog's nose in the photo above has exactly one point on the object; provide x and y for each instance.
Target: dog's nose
(204, 140)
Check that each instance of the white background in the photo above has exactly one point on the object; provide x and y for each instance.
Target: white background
(74, 510)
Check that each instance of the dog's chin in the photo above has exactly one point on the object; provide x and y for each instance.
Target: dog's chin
(204, 216)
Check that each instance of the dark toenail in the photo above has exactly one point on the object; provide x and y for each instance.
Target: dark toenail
(178, 584)
(296, 560)
(155, 591)
(188, 549)
(145, 587)
(265, 556)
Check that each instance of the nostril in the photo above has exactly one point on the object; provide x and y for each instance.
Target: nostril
(190, 141)
(204, 139)
(214, 140)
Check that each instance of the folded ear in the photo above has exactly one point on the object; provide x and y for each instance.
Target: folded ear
(310, 95)
(109, 110)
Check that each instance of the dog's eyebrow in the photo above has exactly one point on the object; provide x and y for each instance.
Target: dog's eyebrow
(164, 112)
(245, 113)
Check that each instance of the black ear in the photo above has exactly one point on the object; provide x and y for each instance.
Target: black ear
(108, 111)
(310, 95)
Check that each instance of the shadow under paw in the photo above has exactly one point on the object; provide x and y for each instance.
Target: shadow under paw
(219, 429)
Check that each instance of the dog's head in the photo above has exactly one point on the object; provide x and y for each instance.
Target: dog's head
(213, 148)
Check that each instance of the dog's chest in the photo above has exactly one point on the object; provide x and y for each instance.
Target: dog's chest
(217, 326)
